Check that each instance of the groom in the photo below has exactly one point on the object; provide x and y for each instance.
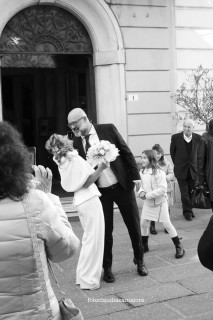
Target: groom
(116, 184)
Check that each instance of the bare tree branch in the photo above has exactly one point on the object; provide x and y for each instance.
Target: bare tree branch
(195, 95)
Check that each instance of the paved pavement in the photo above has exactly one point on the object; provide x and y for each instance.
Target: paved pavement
(175, 289)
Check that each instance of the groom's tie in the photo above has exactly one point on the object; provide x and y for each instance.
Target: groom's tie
(87, 145)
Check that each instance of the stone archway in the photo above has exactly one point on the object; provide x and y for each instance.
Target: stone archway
(108, 52)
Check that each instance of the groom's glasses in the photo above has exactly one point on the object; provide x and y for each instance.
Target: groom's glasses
(74, 123)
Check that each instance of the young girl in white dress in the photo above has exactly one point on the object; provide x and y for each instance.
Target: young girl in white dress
(154, 193)
(166, 166)
(78, 176)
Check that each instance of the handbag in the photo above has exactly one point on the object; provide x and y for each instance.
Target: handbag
(67, 308)
(205, 246)
(200, 197)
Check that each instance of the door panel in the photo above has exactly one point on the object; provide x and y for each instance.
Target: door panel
(38, 101)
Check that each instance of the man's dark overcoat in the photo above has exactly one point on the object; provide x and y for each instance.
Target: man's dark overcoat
(182, 161)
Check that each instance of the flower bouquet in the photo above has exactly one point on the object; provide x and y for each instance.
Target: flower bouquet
(102, 151)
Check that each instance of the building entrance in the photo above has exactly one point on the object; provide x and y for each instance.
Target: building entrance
(46, 71)
(38, 100)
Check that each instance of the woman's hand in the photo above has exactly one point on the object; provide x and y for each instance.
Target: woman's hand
(103, 165)
(95, 175)
(44, 177)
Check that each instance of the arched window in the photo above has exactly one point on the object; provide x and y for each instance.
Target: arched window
(35, 35)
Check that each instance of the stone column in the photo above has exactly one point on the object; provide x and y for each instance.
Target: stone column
(110, 89)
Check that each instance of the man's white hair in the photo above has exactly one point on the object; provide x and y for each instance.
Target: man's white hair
(188, 121)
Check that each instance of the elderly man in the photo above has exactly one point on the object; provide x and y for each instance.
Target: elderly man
(116, 184)
(184, 151)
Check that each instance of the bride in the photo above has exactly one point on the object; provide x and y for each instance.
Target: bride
(78, 176)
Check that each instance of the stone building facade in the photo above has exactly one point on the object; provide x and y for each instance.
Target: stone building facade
(120, 60)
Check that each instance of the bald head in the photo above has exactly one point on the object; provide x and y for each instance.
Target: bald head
(78, 122)
(76, 114)
(188, 126)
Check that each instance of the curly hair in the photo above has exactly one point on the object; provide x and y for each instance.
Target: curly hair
(59, 145)
(153, 162)
(159, 149)
(15, 166)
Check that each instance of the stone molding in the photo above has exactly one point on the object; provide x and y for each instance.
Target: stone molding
(108, 57)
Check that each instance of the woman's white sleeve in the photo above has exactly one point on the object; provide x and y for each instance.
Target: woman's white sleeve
(60, 240)
(74, 173)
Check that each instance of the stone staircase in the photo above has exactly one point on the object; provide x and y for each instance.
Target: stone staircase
(67, 204)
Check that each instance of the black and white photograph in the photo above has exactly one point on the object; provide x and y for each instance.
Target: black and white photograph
(106, 159)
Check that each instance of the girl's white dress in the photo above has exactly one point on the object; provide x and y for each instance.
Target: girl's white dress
(74, 172)
(155, 207)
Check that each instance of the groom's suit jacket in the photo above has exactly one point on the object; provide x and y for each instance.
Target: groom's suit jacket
(124, 167)
(182, 161)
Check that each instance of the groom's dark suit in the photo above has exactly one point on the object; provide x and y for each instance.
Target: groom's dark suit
(184, 156)
(125, 169)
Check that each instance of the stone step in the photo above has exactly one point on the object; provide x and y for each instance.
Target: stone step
(67, 204)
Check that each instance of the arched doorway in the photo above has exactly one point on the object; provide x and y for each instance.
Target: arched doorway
(108, 58)
(46, 71)
(108, 53)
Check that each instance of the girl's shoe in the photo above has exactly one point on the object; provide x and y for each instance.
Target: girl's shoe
(179, 248)
(152, 228)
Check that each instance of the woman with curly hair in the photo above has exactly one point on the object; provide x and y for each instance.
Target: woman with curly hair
(21, 287)
(78, 176)
(166, 166)
(155, 208)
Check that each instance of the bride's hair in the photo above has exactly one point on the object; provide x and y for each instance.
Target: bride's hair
(57, 142)
(59, 145)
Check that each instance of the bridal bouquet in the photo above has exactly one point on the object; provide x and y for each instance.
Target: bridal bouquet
(102, 151)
